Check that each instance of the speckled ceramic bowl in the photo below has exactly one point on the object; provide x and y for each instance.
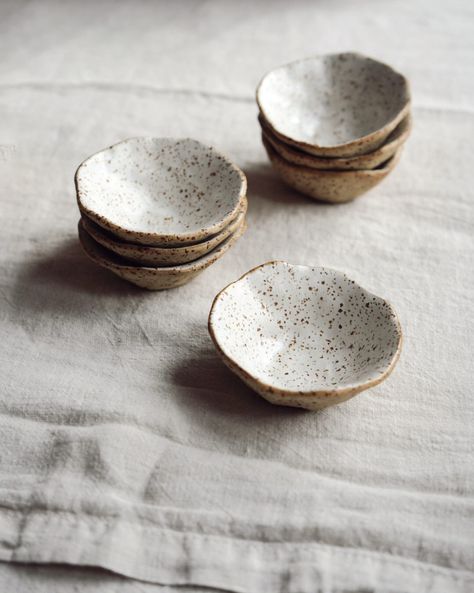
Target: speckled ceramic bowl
(364, 161)
(338, 105)
(304, 337)
(329, 186)
(162, 256)
(159, 191)
(154, 278)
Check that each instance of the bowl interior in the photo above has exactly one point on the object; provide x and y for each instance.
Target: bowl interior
(297, 156)
(160, 186)
(303, 329)
(332, 100)
(109, 240)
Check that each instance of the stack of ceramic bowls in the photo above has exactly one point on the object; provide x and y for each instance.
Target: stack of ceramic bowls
(158, 211)
(334, 126)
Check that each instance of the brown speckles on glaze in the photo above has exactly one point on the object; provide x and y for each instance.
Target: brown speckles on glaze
(162, 256)
(326, 185)
(154, 278)
(160, 190)
(365, 161)
(302, 336)
(338, 105)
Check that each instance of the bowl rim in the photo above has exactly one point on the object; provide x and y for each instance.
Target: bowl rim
(189, 237)
(336, 392)
(200, 263)
(338, 162)
(108, 240)
(380, 171)
(391, 124)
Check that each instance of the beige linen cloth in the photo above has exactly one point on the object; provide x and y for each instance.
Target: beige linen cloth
(125, 442)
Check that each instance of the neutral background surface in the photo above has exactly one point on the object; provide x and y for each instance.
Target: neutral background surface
(125, 443)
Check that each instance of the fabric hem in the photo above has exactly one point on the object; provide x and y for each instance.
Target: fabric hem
(169, 557)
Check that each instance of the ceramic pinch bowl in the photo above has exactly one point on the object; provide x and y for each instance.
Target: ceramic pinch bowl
(162, 256)
(160, 191)
(327, 185)
(302, 336)
(337, 105)
(364, 161)
(154, 278)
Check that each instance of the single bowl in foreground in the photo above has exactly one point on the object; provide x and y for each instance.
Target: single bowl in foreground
(302, 336)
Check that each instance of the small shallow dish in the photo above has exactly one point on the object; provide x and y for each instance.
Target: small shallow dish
(159, 191)
(162, 256)
(364, 161)
(304, 336)
(337, 105)
(329, 186)
(158, 278)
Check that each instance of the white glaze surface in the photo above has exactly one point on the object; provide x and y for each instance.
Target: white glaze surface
(160, 189)
(303, 331)
(370, 160)
(332, 100)
(148, 255)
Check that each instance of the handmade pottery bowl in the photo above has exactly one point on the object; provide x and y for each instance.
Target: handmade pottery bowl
(329, 186)
(159, 191)
(303, 336)
(364, 161)
(162, 256)
(338, 105)
(157, 278)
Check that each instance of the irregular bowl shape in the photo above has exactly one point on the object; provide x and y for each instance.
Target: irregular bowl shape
(162, 256)
(153, 278)
(160, 190)
(338, 105)
(364, 161)
(329, 186)
(304, 336)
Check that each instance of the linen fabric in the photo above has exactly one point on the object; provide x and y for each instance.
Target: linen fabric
(126, 444)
